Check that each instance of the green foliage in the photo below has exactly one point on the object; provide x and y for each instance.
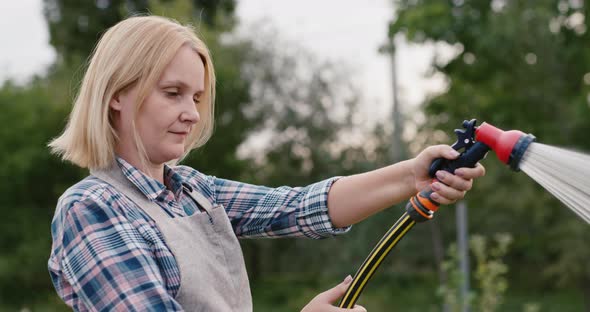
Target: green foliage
(519, 65)
(531, 307)
(490, 272)
(75, 26)
(34, 180)
(450, 292)
(290, 292)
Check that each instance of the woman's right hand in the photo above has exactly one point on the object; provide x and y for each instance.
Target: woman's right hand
(323, 302)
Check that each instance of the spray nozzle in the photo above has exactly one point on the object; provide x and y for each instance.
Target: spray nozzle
(476, 141)
(508, 145)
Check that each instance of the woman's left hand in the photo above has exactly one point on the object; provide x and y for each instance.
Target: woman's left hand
(324, 301)
(450, 187)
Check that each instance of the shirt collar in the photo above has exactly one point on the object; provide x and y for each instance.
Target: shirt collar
(175, 181)
(149, 186)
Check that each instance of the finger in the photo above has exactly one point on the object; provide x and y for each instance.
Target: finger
(357, 308)
(332, 294)
(446, 192)
(441, 199)
(471, 173)
(454, 181)
(442, 150)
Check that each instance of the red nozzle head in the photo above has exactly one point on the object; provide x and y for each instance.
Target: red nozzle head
(508, 145)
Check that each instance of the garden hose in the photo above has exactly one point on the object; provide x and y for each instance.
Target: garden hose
(474, 142)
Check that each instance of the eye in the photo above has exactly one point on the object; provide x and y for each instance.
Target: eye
(197, 100)
(171, 93)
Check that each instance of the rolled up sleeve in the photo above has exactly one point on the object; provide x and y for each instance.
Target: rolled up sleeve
(313, 216)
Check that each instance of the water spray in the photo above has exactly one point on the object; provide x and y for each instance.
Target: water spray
(473, 142)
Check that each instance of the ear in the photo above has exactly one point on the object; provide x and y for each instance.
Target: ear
(115, 103)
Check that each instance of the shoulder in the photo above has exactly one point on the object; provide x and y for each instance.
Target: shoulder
(91, 196)
(84, 204)
(91, 188)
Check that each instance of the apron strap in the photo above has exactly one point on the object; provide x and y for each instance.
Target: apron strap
(115, 177)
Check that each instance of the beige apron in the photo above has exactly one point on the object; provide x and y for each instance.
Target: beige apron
(212, 271)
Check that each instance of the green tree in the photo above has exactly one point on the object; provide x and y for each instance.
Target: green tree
(310, 112)
(519, 65)
(75, 26)
(31, 115)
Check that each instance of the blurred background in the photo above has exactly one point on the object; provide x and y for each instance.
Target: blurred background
(312, 89)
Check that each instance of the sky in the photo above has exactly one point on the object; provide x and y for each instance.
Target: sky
(347, 32)
(350, 32)
(24, 40)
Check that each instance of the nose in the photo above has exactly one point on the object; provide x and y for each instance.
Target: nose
(190, 113)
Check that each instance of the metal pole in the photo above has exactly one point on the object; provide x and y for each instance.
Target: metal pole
(439, 255)
(397, 149)
(463, 250)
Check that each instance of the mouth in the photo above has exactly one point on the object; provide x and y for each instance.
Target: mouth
(181, 133)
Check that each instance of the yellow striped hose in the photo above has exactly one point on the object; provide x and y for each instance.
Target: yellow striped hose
(374, 260)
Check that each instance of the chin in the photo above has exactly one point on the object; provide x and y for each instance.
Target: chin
(167, 152)
(175, 154)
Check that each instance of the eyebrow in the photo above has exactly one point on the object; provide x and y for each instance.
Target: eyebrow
(174, 83)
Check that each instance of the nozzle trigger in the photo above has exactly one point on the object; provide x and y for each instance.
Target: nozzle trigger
(465, 140)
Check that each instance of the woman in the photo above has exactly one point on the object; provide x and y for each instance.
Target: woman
(141, 233)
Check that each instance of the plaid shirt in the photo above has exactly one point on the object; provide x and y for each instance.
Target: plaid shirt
(108, 254)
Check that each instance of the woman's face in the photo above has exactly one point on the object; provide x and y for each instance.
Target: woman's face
(168, 113)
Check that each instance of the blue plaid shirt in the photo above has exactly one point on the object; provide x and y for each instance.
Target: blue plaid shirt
(108, 254)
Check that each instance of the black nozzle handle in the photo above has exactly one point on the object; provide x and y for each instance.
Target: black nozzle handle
(468, 158)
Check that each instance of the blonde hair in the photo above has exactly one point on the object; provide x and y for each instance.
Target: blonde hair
(133, 52)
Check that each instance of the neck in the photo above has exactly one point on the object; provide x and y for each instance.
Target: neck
(155, 171)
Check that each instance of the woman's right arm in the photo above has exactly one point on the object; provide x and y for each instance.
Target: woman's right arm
(107, 264)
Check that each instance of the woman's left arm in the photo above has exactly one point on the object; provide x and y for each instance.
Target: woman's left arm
(354, 198)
